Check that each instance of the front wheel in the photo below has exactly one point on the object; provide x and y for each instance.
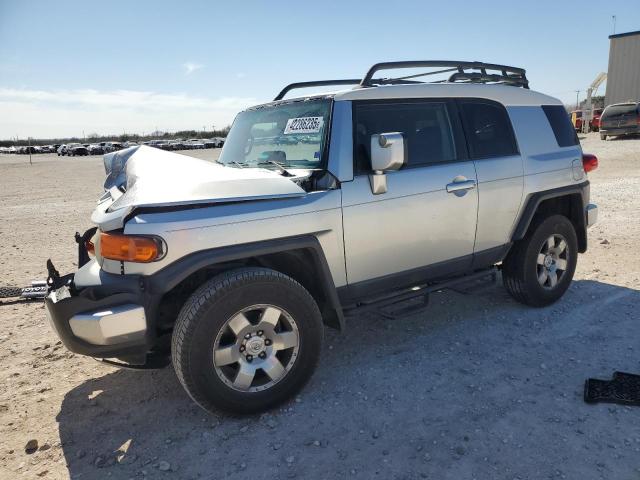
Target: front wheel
(246, 340)
(539, 268)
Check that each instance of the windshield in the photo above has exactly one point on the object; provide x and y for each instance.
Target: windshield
(291, 135)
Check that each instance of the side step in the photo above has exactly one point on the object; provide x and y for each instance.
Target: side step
(418, 291)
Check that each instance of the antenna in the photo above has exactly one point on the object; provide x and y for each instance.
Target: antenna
(613, 17)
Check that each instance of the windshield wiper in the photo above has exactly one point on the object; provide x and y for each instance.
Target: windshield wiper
(284, 171)
(241, 165)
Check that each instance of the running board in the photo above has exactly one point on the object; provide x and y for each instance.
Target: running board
(421, 290)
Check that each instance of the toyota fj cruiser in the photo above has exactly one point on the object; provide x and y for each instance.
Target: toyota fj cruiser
(318, 205)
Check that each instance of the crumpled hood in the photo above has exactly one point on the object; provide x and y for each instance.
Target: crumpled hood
(157, 178)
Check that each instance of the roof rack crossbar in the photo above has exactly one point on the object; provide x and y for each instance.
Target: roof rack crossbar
(417, 75)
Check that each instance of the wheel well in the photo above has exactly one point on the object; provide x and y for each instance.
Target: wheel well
(571, 207)
(298, 264)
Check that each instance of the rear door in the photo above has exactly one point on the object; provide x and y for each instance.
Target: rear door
(427, 217)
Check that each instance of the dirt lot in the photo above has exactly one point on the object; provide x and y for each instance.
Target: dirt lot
(476, 386)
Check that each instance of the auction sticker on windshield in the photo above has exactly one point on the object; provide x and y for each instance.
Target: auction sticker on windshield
(304, 125)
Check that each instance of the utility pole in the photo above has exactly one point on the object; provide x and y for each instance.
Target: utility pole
(613, 17)
(577, 103)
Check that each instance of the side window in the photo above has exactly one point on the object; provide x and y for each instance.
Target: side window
(488, 130)
(561, 125)
(425, 125)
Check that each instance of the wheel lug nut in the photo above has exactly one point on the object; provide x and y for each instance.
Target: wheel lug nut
(242, 348)
(247, 336)
(260, 333)
(249, 358)
(267, 342)
(262, 355)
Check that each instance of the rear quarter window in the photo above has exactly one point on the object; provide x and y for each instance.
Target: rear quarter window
(488, 129)
(561, 125)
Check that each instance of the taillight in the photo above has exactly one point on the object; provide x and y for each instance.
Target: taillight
(589, 162)
(130, 248)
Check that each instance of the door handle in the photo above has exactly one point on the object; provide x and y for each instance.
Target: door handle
(459, 186)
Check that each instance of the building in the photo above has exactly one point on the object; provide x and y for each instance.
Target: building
(623, 77)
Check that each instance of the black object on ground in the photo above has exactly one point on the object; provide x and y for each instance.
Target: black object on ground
(624, 389)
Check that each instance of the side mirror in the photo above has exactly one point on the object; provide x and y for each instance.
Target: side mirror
(387, 154)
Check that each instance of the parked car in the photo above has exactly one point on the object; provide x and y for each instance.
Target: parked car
(176, 145)
(96, 149)
(112, 147)
(576, 120)
(594, 124)
(62, 150)
(76, 149)
(215, 142)
(620, 119)
(194, 144)
(409, 188)
(161, 144)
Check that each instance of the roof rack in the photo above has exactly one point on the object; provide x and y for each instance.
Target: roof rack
(461, 72)
(507, 75)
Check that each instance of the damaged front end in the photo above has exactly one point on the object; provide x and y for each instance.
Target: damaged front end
(146, 177)
(109, 314)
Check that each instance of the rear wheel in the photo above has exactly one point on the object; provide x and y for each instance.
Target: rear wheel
(539, 268)
(246, 340)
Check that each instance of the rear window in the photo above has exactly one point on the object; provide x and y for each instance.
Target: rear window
(561, 125)
(620, 110)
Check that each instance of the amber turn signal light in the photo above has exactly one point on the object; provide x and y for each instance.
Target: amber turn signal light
(130, 248)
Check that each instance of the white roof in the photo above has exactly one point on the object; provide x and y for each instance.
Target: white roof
(505, 94)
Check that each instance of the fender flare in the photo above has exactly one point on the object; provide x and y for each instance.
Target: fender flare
(167, 278)
(534, 200)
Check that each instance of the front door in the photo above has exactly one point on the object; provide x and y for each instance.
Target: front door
(427, 217)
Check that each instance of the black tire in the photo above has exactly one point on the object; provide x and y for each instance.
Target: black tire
(206, 313)
(520, 267)
(603, 136)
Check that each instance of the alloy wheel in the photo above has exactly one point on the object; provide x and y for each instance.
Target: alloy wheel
(552, 261)
(256, 348)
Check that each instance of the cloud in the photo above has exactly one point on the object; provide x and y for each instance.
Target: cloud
(190, 67)
(50, 113)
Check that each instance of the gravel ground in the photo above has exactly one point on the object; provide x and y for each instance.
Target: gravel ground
(475, 386)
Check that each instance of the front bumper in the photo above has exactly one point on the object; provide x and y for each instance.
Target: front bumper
(107, 319)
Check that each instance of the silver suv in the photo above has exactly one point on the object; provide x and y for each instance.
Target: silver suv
(318, 205)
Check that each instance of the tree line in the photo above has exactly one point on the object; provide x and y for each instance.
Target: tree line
(125, 137)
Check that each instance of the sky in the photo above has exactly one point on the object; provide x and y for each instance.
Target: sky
(72, 68)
